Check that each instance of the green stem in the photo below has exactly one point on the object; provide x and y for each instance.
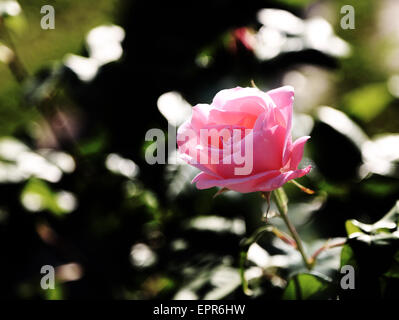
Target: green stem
(245, 244)
(326, 246)
(281, 203)
(15, 64)
(303, 188)
(244, 282)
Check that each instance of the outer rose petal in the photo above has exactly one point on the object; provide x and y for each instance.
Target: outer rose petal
(268, 149)
(266, 181)
(188, 142)
(297, 152)
(199, 166)
(243, 184)
(283, 178)
(284, 99)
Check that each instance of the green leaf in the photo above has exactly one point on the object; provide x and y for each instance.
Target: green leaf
(373, 250)
(55, 294)
(352, 228)
(94, 145)
(326, 265)
(381, 232)
(368, 102)
(38, 196)
(347, 256)
(305, 286)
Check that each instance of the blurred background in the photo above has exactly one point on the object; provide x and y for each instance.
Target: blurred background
(75, 105)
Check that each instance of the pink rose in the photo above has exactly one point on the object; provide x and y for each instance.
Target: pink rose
(242, 141)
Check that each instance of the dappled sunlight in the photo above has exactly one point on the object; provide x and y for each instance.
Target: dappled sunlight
(10, 7)
(97, 192)
(218, 224)
(381, 155)
(103, 45)
(141, 256)
(120, 165)
(23, 163)
(284, 32)
(174, 108)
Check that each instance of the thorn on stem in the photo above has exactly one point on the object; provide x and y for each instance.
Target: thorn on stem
(253, 84)
(220, 191)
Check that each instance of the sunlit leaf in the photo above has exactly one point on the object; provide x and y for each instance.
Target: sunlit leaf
(368, 102)
(37, 196)
(55, 294)
(347, 257)
(305, 286)
(377, 232)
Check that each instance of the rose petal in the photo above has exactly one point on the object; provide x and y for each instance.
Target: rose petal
(223, 117)
(200, 115)
(268, 149)
(297, 152)
(266, 181)
(249, 100)
(281, 179)
(245, 184)
(202, 167)
(284, 99)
